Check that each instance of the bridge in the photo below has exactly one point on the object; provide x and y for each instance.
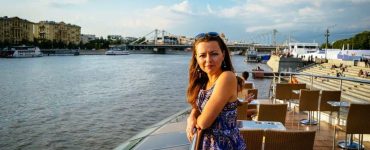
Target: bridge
(160, 41)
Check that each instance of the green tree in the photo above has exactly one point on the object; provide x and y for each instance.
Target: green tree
(359, 41)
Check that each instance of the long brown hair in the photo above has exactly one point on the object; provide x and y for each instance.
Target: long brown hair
(197, 77)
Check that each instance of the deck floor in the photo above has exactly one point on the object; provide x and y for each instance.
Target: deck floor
(324, 135)
(323, 139)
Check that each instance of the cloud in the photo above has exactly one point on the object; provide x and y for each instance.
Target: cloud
(231, 12)
(209, 9)
(182, 7)
(64, 3)
(269, 27)
(359, 1)
(158, 17)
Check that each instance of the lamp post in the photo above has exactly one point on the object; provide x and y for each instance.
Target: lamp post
(327, 41)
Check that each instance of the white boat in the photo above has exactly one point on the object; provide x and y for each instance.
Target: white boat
(116, 51)
(298, 49)
(307, 50)
(21, 52)
(251, 56)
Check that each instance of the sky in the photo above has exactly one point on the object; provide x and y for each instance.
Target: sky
(240, 20)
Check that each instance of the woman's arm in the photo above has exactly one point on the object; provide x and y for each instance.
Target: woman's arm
(225, 89)
(191, 123)
(194, 113)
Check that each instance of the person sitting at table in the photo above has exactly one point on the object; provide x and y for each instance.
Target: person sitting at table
(247, 97)
(245, 76)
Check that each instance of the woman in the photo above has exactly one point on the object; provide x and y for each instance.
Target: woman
(212, 93)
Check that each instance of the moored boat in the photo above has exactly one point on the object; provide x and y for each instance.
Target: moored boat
(251, 56)
(116, 51)
(21, 52)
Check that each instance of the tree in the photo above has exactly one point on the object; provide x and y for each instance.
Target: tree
(359, 41)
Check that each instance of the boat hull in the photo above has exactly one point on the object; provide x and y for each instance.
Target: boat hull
(116, 52)
(21, 52)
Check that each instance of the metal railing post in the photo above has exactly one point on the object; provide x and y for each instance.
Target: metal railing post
(279, 80)
(311, 82)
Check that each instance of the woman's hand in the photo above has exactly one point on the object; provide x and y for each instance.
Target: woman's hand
(190, 127)
(248, 97)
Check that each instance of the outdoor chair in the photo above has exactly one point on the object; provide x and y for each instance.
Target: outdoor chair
(248, 86)
(272, 112)
(295, 97)
(328, 96)
(309, 101)
(242, 111)
(357, 123)
(289, 140)
(297, 87)
(253, 138)
(283, 91)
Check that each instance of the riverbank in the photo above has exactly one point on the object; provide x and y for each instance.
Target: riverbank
(142, 51)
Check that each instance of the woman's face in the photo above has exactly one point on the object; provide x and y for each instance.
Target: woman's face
(209, 56)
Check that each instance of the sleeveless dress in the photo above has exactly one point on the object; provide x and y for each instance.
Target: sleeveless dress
(223, 134)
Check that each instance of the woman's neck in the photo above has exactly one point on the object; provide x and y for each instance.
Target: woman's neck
(212, 78)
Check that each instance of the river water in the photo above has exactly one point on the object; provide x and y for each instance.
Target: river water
(91, 102)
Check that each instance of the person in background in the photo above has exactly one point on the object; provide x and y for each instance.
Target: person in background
(240, 82)
(245, 76)
(212, 93)
(259, 68)
(360, 73)
(293, 80)
(247, 98)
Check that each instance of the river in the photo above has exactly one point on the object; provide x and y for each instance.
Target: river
(91, 102)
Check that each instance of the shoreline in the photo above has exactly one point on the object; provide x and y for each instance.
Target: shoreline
(102, 52)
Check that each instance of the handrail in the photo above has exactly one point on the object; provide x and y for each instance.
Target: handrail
(320, 76)
(279, 75)
(305, 67)
(129, 144)
(197, 140)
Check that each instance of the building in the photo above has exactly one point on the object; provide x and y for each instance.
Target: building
(15, 30)
(57, 32)
(85, 38)
(183, 40)
(172, 40)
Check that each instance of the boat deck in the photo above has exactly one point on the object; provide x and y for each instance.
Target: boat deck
(324, 135)
(173, 136)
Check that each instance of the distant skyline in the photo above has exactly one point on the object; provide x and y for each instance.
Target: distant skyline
(239, 20)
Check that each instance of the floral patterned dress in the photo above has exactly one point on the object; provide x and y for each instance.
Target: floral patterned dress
(223, 134)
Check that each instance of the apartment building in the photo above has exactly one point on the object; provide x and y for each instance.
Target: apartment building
(14, 30)
(58, 32)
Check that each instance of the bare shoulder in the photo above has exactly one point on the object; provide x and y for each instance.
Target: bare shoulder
(228, 76)
(227, 83)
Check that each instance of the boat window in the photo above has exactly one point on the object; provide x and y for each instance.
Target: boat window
(310, 47)
(300, 46)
